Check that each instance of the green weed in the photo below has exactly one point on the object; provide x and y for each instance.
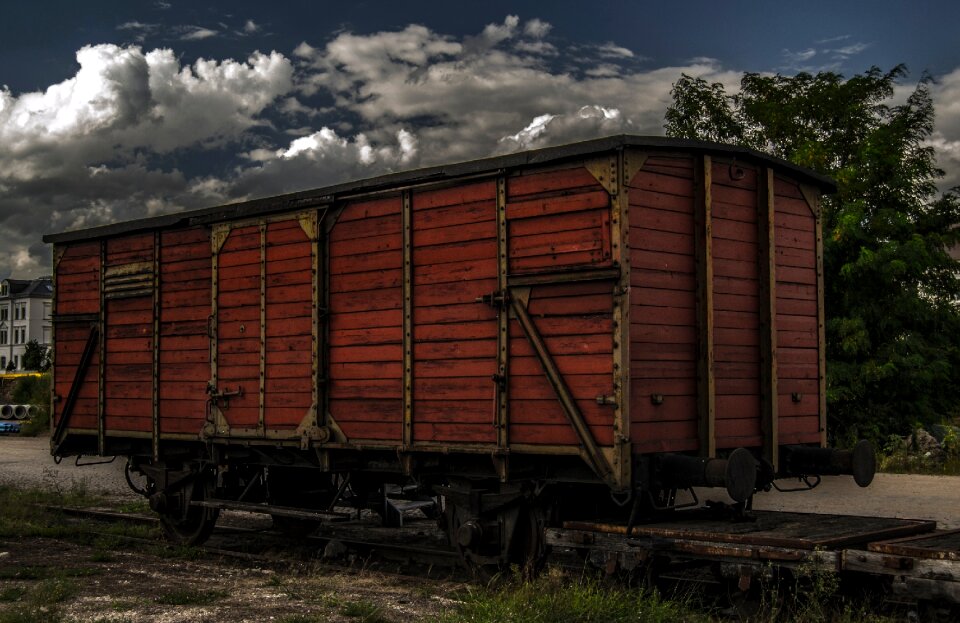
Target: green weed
(12, 593)
(554, 597)
(365, 611)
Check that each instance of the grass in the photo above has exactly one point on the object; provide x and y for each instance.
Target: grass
(556, 597)
(190, 597)
(12, 593)
(364, 611)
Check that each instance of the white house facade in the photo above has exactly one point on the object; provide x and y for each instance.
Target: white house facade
(25, 314)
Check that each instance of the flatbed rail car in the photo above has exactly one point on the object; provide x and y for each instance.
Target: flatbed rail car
(569, 333)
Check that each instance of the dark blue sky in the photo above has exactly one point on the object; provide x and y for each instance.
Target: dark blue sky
(37, 39)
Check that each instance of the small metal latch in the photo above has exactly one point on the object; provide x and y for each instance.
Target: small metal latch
(604, 399)
(495, 299)
(225, 395)
(499, 379)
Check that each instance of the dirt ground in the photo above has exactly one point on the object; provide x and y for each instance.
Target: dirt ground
(118, 586)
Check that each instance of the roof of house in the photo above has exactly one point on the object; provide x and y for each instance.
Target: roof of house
(29, 288)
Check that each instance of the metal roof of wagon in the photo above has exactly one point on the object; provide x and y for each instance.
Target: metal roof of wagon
(318, 196)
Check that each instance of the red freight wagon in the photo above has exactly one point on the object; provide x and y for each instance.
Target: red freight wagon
(574, 331)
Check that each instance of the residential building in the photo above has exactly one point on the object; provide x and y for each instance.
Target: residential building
(25, 314)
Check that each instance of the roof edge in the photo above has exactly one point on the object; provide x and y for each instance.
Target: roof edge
(318, 196)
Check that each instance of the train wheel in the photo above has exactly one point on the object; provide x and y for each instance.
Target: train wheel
(184, 524)
(513, 539)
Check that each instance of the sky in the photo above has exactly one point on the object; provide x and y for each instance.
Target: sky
(111, 111)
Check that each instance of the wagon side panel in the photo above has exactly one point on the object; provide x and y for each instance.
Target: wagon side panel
(736, 304)
(663, 315)
(129, 343)
(798, 345)
(288, 334)
(365, 320)
(77, 292)
(558, 222)
(454, 263)
(184, 343)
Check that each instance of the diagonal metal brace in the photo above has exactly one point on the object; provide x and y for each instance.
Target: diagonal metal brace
(589, 448)
(68, 404)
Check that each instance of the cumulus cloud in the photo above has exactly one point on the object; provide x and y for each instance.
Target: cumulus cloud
(77, 153)
(946, 136)
(537, 28)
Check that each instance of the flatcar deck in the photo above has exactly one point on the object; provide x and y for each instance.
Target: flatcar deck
(919, 562)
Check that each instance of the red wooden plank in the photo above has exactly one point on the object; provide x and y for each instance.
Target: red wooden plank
(721, 174)
(369, 209)
(595, 258)
(465, 193)
(450, 293)
(385, 299)
(644, 203)
(675, 436)
(663, 334)
(366, 388)
(661, 261)
(574, 221)
(659, 241)
(663, 352)
(742, 407)
(805, 292)
(456, 252)
(463, 349)
(556, 243)
(365, 336)
(652, 284)
(365, 263)
(549, 206)
(656, 183)
(736, 353)
(531, 183)
(459, 432)
(460, 214)
(366, 281)
(369, 244)
(365, 370)
(345, 231)
(383, 352)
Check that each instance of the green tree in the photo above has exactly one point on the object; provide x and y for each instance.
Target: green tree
(36, 357)
(891, 288)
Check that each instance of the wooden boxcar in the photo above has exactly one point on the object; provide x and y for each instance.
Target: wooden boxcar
(604, 322)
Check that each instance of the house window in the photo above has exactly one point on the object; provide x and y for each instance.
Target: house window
(5, 312)
(3, 364)
(46, 311)
(16, 362)
(3, 337)
(3, 289)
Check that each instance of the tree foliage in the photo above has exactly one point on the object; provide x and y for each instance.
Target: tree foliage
(891, 288)
(36, 357)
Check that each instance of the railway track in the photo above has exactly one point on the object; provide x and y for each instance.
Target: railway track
(905, 560)
(340, 544)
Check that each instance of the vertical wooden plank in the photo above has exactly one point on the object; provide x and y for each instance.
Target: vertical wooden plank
(406, 218)
(261, 425)
(628, 162)
(101, 377)
(821, 325)
(706, 390)
(57, 254)
(766, 238)
(156, 345)
(501, 420)
(318, 350)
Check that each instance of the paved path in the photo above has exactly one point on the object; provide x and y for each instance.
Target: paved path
(27, 460)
